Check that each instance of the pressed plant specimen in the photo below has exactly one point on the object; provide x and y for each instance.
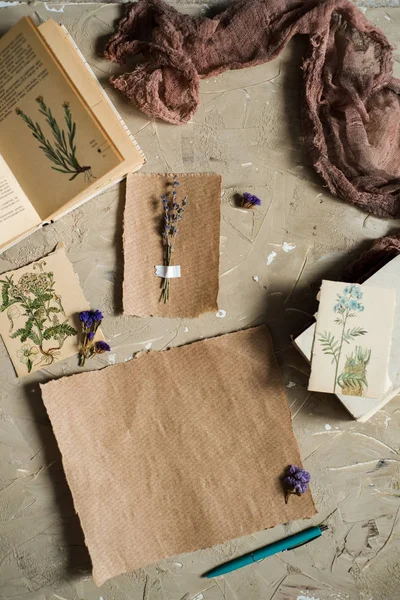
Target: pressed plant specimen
(34, 299)
(173, 213)
(354, 375)
(62, 153)
(90, 322)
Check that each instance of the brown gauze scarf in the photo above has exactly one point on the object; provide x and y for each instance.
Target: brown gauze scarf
(351, 108)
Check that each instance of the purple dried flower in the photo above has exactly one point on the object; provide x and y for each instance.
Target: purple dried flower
(84, 316)
(295, 481)
(90, 335)
(250, 201)
(97, 315)
(101, 347)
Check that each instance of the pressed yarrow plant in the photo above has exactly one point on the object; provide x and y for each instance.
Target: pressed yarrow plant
(63, 152)
(173, 213)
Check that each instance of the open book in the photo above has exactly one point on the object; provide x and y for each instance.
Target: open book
(61, 140)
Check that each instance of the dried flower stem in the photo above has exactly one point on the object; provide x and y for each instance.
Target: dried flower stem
(173, 212)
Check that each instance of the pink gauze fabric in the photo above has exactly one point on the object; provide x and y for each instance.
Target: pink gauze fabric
(351, 107)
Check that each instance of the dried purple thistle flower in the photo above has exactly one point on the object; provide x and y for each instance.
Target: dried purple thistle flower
(295, 481)
(91, 335)
(250, 201)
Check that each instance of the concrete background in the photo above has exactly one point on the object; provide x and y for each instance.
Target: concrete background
(247, 128)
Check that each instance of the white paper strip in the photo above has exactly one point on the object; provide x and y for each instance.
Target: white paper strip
(170, 272)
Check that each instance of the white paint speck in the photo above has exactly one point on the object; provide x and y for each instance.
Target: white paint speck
(387, 419)
(328, 427)
(363, 9)
(287, 247)
(198, 597)
(148, 345)
(388, 18)
(112, 358)
(290, 384)
(186, 329)
(246, 164)
(255, 278)
(60, 9)
(301, 597)
(221, 314)
(271, 257)
(179, 565)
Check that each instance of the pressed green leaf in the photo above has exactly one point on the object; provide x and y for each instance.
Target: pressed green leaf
(61, 329)
(34, 337)
(19, 332)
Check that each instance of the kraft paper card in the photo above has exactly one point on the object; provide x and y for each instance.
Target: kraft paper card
(352, 342)
(39, 312)
(196, 247)
(176, 450)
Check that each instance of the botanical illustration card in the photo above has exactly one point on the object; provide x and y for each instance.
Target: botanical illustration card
(39, 312)
(352, 340)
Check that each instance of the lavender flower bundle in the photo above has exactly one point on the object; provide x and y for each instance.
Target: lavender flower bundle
(295, 481)
(173, 213)
(91, 320)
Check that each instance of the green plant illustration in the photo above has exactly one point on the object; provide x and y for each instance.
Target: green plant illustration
(62, 153)
(354, 375)
(33, 297)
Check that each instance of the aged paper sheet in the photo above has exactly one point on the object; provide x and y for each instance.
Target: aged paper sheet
(176, 450)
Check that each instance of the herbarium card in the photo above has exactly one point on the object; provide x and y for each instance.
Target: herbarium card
(352, 340)
(39, 312)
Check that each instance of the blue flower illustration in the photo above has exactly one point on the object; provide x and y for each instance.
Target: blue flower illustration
(347, 305)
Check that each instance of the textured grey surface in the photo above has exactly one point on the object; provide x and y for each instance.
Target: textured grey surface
(247, 128)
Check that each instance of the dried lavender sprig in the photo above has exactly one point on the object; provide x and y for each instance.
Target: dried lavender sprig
(173, 212)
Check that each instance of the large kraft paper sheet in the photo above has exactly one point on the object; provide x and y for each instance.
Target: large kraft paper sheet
(177, 450)
(196, 247)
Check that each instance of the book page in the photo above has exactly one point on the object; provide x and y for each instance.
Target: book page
(81, 74)
(52, 143)
(17, 214)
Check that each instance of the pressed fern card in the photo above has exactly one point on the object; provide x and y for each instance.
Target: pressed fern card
(352, 340)
(40, 304)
